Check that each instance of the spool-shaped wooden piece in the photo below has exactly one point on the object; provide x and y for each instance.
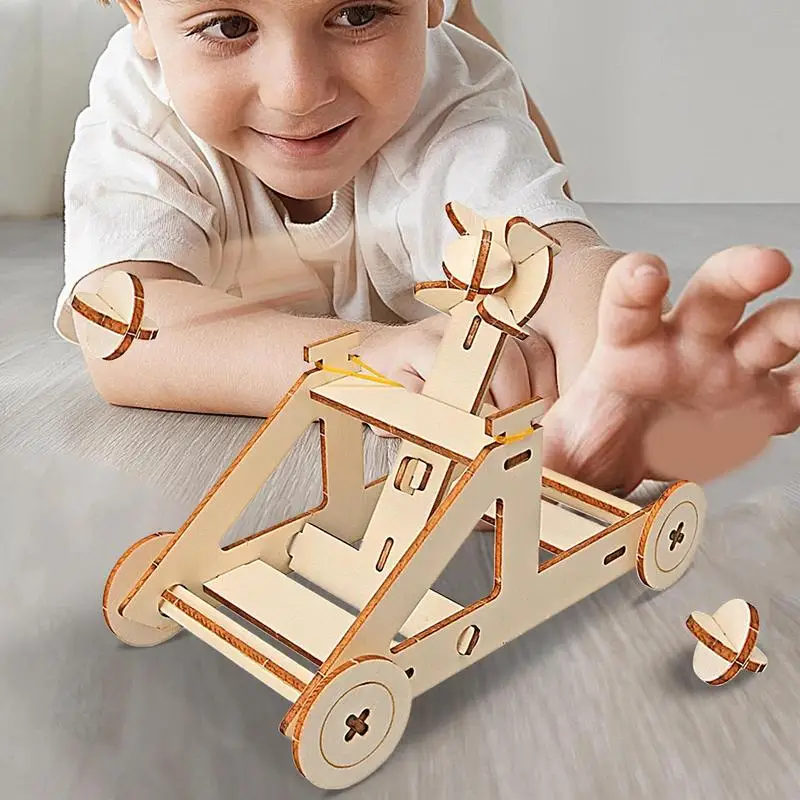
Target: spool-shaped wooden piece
(726, 642)
(511, 257)
(115, 316)
(478, 264)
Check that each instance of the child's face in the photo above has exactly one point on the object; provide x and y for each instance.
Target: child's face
(243, 72)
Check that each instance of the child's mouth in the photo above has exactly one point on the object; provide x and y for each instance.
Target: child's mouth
(316, 145)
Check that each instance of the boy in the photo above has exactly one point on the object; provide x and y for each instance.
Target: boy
(277, 170)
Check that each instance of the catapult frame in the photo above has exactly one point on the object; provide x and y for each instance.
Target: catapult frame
(392, 637)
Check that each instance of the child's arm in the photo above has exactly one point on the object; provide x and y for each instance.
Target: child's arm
(568, 315)
(215, 353)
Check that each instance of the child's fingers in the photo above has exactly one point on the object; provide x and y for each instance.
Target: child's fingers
(411, 380)
(769, 338)
(631, 303)
(715, 297)
(794, 396)
(510, 384)
(788, 381)
(419, 365)
(541, 365)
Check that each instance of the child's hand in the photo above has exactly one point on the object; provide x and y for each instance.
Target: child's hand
(406, 354)
(689, 394)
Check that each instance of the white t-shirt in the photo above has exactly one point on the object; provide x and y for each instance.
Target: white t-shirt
(140, 186)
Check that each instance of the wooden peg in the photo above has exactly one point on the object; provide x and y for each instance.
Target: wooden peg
(334, 351)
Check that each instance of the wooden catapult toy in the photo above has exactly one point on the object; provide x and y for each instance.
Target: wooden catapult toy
(351, 665)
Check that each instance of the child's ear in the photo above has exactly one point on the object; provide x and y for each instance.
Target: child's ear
(436, 12)
(141, 33)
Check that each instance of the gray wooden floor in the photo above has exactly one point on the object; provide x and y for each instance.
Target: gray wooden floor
(598, 702)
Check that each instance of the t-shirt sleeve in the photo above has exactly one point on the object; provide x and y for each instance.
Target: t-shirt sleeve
(648, 491)
(129, 198)
(494, 162)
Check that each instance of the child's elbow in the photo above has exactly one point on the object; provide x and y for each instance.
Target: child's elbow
(112, 396)
(106, 382)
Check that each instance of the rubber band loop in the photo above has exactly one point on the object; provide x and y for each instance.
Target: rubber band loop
(367, 367)
(376, 377)
(503, 439)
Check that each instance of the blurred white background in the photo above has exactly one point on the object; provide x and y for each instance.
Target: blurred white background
(47, 51)
(675, 102)
(683, 101)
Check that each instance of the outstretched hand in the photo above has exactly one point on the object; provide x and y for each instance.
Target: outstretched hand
(689, 394)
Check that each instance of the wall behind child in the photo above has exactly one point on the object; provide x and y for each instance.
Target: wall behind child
(650, 102)
(679, 101)
(47, 51)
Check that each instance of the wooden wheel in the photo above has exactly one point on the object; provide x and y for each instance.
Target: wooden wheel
(123, 577)
(671, 535)
(353, 723)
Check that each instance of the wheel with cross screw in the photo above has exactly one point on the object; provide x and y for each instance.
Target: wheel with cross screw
(671, 535)
(353, 723)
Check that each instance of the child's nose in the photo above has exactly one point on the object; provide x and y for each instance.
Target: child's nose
(297, 82)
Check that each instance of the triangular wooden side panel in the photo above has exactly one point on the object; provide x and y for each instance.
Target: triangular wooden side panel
(193, 555)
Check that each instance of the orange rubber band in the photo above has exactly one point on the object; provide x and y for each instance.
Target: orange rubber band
(503, 439)
(376, 376)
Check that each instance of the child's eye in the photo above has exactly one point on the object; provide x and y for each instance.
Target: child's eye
(227, 28)
(224, 32)
(359, 17)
